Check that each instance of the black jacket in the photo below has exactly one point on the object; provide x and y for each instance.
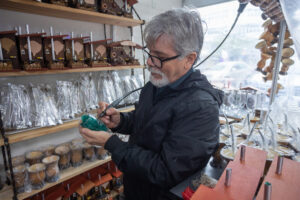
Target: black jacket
(172, 136)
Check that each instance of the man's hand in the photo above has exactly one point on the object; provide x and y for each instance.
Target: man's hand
(94, 137)
(112, 117)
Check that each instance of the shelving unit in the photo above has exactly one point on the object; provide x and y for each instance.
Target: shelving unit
(92, 69)
(52, 10)
(33, 133)
(7, 193)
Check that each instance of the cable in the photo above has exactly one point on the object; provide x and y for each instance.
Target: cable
(240, 10)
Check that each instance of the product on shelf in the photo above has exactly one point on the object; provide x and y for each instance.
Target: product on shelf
(48, 150)
(109, 7)
(101, 153)
(96, 52)
(54, 50)
(52, 170)
(76, 154)
(15, 106)
(271, 9)
(88, 92)
(123, 52)
(31, 50)
(87, 5)
(34, 157)
(63, 151)
(37, 175)
(88, 152)
(18, 160)
(127, 8)
(20, 175)
(8, 51)
(75, 51)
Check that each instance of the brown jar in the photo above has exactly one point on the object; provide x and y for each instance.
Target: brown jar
(18, 160)
(76, 154)
(52, 171)
(20, 175)
(101, 153)
(64, 153)
(37, 175)
(34, 157)
(88, 150)
(49, 150)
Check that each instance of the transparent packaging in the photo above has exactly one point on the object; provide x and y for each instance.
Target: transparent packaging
(34, 157)
(15, 107)
(63, 151)
(52, 170)
(101, 153)
(18, 160)
(21, 178)
(48, 150)
(88, 92)
(88, 152)
(37, 176)
(76, 154)
(64, 99)
(117, 86)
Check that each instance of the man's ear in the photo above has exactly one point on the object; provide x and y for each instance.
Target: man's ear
(190, 59)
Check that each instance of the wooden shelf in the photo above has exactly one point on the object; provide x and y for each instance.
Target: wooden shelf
(7, 193)
(33, 133)
(52, 10)
(90, 69)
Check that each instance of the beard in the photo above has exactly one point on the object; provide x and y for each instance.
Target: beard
(158, 82)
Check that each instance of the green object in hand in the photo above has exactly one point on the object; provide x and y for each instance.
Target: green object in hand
(90, 122)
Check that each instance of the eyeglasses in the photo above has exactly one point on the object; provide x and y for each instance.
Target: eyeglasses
(157, 61)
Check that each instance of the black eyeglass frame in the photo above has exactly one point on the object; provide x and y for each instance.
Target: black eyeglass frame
(160, 59)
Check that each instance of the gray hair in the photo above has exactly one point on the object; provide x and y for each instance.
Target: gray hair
(182, 25)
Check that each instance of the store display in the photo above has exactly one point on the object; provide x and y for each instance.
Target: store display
(34, 157)
(54, 50)
(122, 53)
(74, 51)
(96, 52)
(9, 59)
(31, 50)
(52, 170)
(37, 175)
(110, 7)
(87, 5)
(63, 151)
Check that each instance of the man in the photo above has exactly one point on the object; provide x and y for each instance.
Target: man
(175, 127)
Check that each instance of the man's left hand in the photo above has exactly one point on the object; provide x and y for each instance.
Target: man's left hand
(94, 137)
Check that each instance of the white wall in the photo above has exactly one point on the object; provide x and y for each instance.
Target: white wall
(10, 19)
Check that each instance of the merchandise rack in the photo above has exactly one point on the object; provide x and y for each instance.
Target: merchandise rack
(53, 10)
(7, 192)
(80, 70)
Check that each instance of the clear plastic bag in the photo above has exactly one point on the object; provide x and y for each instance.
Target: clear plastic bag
(105, 88)
(117, 85)
(89, 152)
(52, 170)
(37, 175)
(15, 106)
(89, 92)
(64, 99)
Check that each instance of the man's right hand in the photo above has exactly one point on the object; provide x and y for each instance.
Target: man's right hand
(112, 117)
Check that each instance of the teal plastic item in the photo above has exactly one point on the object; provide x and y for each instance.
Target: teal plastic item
(90, 122)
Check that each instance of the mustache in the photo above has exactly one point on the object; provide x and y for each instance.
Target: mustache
(154, 70)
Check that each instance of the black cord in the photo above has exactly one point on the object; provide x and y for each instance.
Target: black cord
(240, 10)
